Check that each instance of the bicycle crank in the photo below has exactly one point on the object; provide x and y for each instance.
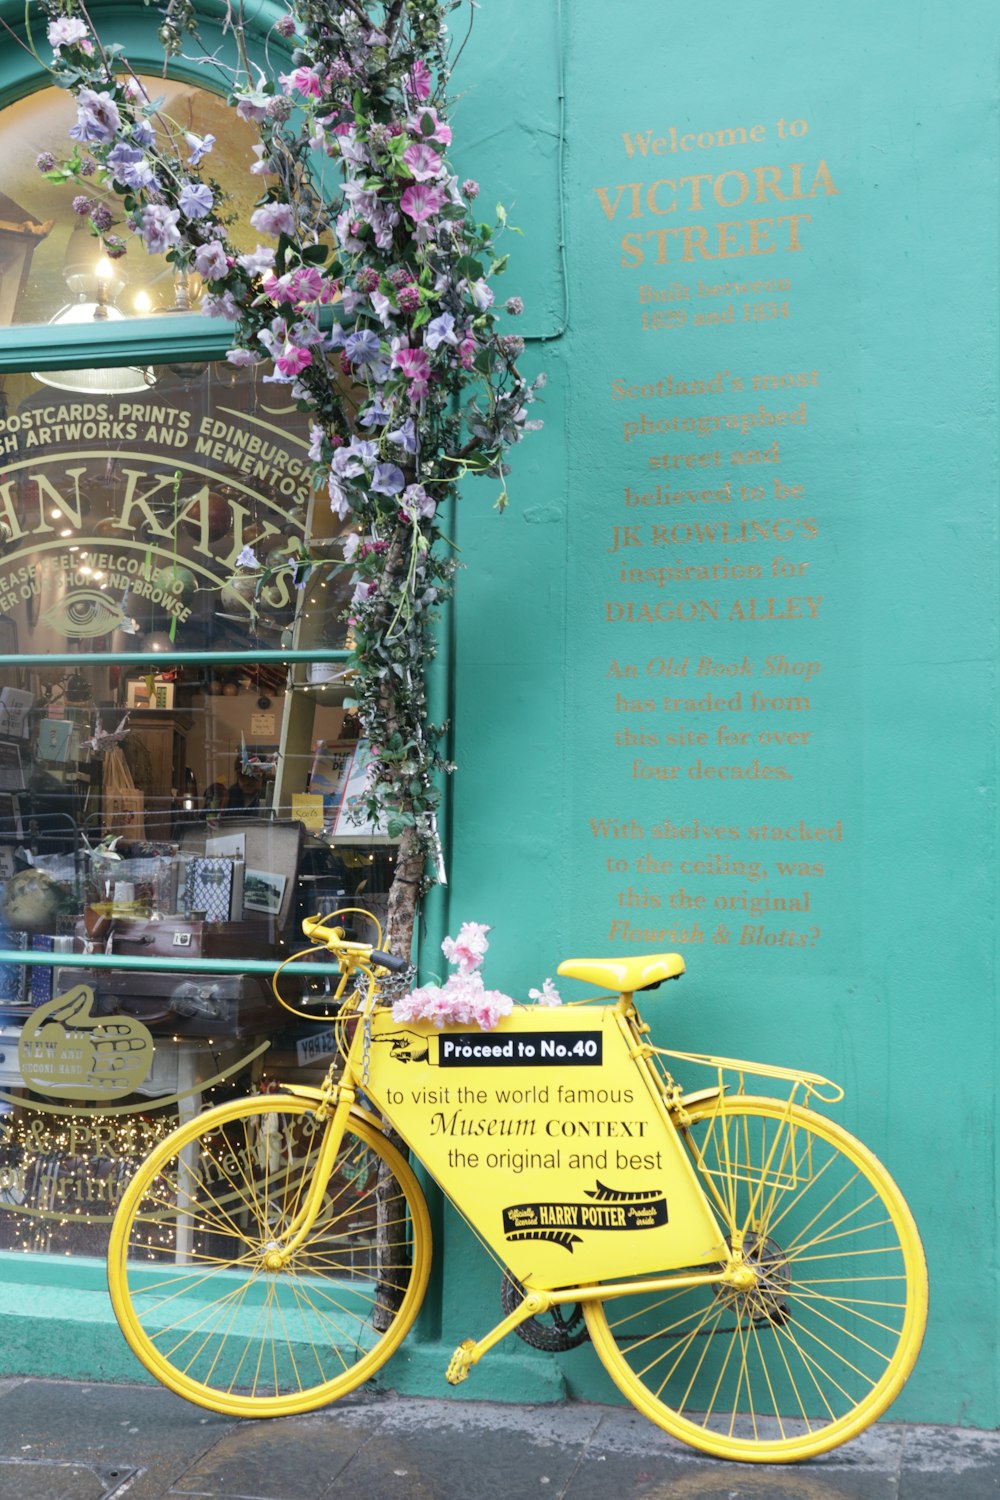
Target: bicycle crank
(560, 1330)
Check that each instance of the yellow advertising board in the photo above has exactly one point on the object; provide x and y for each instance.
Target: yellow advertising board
(547, 1138)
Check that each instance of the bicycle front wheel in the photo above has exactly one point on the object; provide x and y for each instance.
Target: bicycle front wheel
(188, 1272)
(822, 1342)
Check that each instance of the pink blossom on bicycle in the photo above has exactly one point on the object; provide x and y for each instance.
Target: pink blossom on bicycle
(547, 995)
(468, 949)
(462, 1000)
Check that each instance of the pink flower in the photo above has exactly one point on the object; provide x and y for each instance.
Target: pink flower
(67, 32)
(461, 1001)
(274, 218)
(307, 284)
(416, 366)
(439, 130)
(305, 80)
(468, 949)
(547, 995)
(419, 81)
(292, 359)
(421, 202)
(422, 161)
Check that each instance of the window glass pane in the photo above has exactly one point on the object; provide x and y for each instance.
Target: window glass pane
(48, 258)
(150, 808)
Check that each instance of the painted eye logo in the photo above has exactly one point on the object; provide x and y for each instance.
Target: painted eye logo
(86, 613)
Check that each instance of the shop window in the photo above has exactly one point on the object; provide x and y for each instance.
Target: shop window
(171, 788)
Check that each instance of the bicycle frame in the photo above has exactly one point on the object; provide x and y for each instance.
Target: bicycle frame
(445, 1093)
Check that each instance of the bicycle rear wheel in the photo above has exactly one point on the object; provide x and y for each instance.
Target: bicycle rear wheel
(186, 1262)
(822, 1342)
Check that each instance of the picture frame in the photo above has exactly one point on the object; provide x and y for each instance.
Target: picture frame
(139, 695)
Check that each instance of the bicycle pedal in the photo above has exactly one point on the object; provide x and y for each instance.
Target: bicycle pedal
(461, 1363)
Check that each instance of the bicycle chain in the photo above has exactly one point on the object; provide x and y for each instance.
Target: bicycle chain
(564, 1332)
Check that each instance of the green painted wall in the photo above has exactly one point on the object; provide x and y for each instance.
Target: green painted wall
(892, 302)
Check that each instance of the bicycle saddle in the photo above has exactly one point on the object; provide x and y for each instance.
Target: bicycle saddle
(625, 975)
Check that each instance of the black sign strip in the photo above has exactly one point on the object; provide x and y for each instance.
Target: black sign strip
(524, 1049)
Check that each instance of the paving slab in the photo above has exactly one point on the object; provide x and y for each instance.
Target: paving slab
(39, 1479)
(64, 1440)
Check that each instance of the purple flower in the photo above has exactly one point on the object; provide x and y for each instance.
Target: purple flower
(129, 166)
(159, 228)
(388, 479)
(339, 503)
(470, 189)
(195, 199)
(409, 297)
(247, 558)
(225, 306)
(210, 261)
(383, 308)
(422, 162)
(97, 117)
(404, 436)
(358, 456)
(101, 217)
(441, 330)
(352, 542)
(143, 134)
(375, 415)
(515, 307)
(364, 350)
(421, 202)
(416, 504)
(241, 358)
(315, 443)
(252, 106)
(482, 297)
(45, 161)
(274, 218)
(199, 146)
(82, 205)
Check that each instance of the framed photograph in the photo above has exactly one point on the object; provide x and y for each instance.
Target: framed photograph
(262, 891)
(139, 695)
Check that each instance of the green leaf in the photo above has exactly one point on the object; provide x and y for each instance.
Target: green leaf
(315, 255)
(468, 267)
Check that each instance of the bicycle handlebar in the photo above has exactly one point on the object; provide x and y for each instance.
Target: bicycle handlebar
(334, 939)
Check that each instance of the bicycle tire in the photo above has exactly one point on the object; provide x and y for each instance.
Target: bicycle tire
(185, 1261)
(824, 1341)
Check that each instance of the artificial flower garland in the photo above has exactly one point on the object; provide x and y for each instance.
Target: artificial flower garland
(373, 302)
(463, 999)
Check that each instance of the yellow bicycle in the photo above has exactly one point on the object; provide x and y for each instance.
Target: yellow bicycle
(748, 1272)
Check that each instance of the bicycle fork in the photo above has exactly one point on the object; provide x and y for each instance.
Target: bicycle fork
(278, 1252)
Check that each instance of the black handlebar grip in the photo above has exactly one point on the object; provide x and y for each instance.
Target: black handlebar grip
(389, 961)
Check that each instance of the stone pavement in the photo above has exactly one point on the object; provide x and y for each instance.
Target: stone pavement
(62, 1440)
